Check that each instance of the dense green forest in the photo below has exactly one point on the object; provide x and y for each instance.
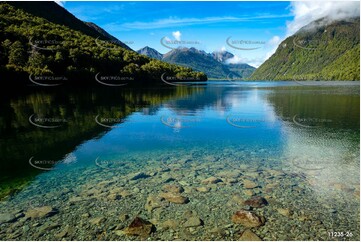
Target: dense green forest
(316, 52)
(32, 45)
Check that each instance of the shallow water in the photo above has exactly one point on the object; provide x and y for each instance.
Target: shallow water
(79, 151)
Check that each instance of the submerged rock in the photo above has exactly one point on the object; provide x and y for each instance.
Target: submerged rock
(203, 189)
(248, 235)
(173, 188)
(152, 203)
(170, 224)
(247, 219)
(193, 222)
(97, 220)
(7, 218)
(284, 211)
(211, 180)
(249, 184)
(256, 202)
(139, 227)
(229, 174)
(174, 198)
(40, 212)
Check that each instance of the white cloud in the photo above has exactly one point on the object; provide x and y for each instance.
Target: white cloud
(254, 61)
(275, 40)
(307, 11)
(272, 45)
(234, 60)
(175, 21)
(177, 35)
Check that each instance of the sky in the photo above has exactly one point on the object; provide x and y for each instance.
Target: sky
(249, 30)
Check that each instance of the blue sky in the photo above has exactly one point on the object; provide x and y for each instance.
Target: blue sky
(203, 25)
(207, 25)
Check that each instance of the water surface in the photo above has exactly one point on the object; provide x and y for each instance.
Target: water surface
(72, 149)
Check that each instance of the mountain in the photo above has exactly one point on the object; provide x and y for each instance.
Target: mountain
(53, 44)
(150, 52)
(213, 65)
(321, 50)
(222, 56)
(54, 13)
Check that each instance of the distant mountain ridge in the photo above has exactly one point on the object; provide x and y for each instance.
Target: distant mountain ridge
(214, 65)
(322, 50)
(150, 52)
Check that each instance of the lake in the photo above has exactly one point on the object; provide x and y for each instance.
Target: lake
(81, 164)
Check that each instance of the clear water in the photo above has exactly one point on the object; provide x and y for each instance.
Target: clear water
(299, 143)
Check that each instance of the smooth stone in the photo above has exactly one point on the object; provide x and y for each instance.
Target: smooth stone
(174, 198)
(248, 184)
(284, 211)
(211, 180)
(7, 218)
(248, 235)
(170, 224)
(247, 219)
(173, 188)
(139, 227)
(152, 203)
(97, 220)
(236, 200)
(63, 233)
(40, 212)
(256, 202)
(203, 189)
(193, 222)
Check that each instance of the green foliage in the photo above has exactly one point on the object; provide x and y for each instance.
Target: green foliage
(33, 45)
(17, 54)
(330, 52)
